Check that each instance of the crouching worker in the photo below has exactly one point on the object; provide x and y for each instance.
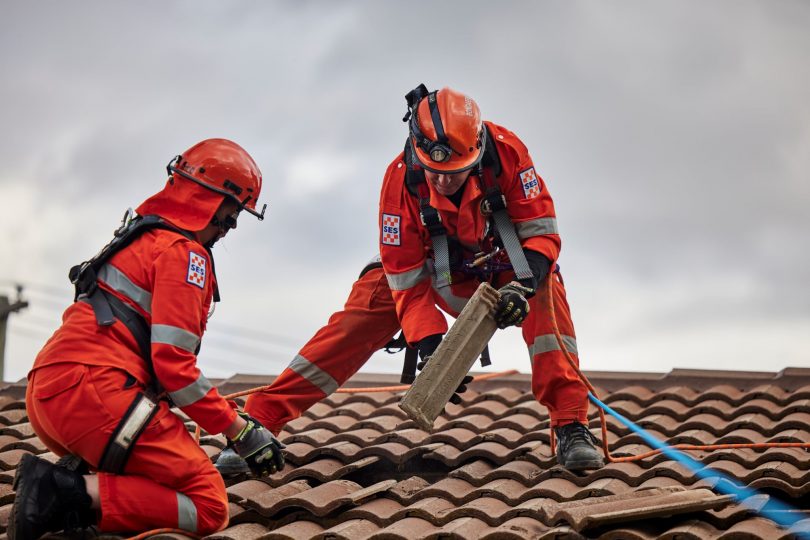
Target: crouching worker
(100, 390)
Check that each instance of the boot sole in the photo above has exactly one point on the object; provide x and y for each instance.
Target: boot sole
(28, 461)
(583, 465)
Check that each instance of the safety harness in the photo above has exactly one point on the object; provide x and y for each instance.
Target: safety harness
(108, 308)
(493, 205)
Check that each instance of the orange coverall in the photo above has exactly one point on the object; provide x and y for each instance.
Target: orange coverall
(404, 295)
(87, 375)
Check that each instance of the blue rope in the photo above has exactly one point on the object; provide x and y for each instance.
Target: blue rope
(775, 510)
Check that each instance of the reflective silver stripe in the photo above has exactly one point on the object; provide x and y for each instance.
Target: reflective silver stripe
(192, 393)
(406, 280)
(186, 513)
(314, 374)
(454, 302)
(548, 342)
(536, 227)
(172, 335)
(118, 282)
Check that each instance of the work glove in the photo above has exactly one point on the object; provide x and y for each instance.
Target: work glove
(513, 307)
(258, 447)
(426, 347)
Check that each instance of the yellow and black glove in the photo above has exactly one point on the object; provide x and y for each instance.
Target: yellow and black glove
(258, 447)
(513, 306)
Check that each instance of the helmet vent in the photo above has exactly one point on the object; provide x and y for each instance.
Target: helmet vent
(232, 187)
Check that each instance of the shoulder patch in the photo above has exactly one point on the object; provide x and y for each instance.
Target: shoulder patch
(531, 184)
(197, 269)
(390, 230)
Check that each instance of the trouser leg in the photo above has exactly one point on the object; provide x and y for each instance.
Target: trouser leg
(335, 353)
(168, 481)
(555, 383)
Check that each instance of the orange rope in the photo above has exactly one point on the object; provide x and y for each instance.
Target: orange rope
(605, 448)
(401, 388)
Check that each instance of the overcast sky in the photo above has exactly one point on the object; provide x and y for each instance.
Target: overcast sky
(673, 136)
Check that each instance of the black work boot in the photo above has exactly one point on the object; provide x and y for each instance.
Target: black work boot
(48, 498)
(575, 448)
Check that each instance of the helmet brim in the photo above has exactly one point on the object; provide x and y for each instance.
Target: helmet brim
(452, 166)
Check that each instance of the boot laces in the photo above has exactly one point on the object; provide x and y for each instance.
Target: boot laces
(571, 434)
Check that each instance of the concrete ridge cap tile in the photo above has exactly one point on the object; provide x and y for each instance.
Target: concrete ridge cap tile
(242, 531)
(351, 529)
(380, 510)
(295, 531)
(638, 506)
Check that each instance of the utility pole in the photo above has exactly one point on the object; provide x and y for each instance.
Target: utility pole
(6, 309)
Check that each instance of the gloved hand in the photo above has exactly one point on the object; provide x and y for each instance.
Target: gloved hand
(427, 346)
(258, 447)
(513, 307)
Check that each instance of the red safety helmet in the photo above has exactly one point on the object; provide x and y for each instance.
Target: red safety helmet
(201, 178)
(447, 133)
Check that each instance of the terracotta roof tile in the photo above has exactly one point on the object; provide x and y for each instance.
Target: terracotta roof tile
(295, 531)
(351, 529)
(244, 531)
(358, 468)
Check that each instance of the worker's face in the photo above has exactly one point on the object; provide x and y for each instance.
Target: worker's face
(447, 184)
(224, 220)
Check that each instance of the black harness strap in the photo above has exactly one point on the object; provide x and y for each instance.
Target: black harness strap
(107, 309)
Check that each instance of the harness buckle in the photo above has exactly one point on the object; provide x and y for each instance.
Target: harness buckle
(493, 202)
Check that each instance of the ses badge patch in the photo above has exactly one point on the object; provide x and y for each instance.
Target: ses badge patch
(531, 183)
(390, 231)
(196, 269)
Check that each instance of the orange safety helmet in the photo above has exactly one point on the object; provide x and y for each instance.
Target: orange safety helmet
(201, 178)
(446, 130)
